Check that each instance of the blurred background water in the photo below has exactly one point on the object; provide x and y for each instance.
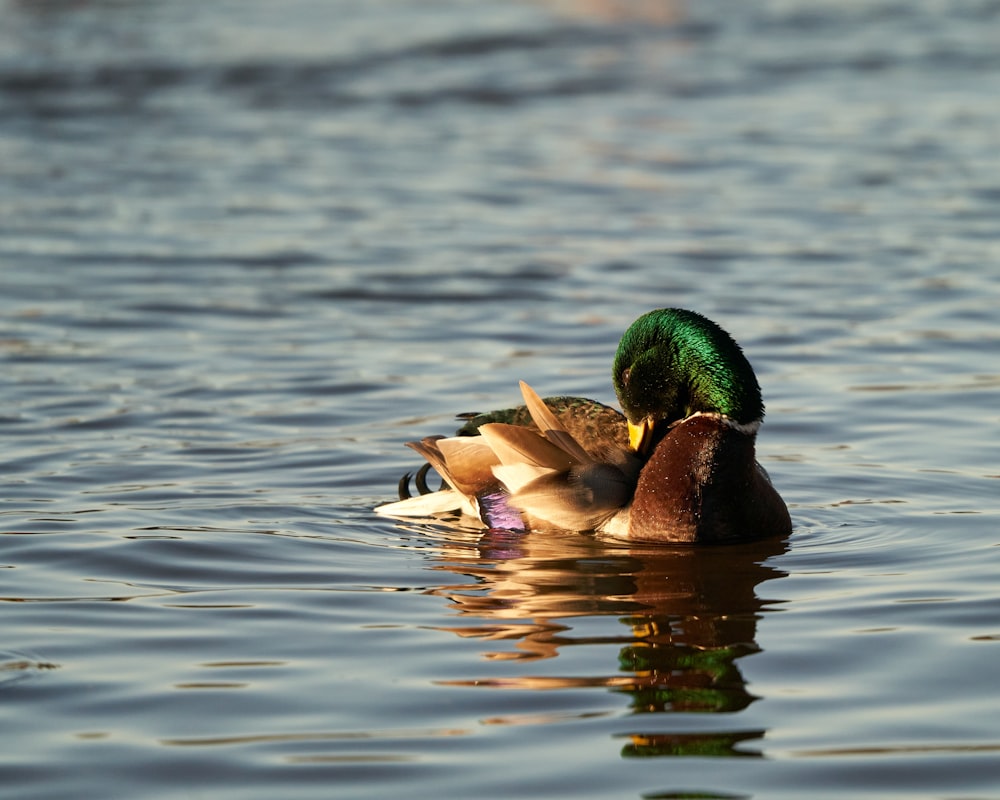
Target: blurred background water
(247, 249)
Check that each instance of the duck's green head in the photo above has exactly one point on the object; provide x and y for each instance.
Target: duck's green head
(672, 363)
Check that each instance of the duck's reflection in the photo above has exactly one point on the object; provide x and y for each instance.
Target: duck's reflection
(689, 615)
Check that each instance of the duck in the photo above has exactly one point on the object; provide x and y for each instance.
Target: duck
(676, 465)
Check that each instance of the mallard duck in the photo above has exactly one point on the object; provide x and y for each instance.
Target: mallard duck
(678, 466)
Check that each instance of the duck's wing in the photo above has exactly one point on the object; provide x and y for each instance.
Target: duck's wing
(553, 477)
(551, 428)
(564, 463)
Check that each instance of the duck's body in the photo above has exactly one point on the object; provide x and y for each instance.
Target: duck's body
(678, 466)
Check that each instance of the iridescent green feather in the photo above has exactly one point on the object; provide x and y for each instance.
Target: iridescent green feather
(672, 363)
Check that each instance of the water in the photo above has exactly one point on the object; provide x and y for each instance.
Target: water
(248, 249)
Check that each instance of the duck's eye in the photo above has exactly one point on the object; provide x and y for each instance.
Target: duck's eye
(626, 375)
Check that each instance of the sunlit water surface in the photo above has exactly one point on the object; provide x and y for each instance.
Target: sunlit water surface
(250, 248)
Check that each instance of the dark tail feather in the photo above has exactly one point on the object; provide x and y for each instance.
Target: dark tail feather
(420, 481)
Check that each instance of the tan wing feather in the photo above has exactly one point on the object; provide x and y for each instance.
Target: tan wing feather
(463, 461)
(515, 444)
(551, 427)
(470, 462)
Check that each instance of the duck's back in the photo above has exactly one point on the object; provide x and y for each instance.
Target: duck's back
(594, 425)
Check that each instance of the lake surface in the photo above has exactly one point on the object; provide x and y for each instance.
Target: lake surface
(248, 249)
